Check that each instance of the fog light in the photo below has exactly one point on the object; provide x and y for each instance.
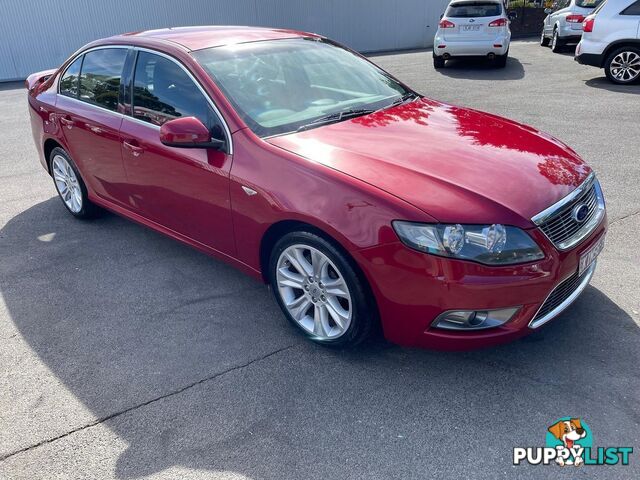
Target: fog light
(474, 319)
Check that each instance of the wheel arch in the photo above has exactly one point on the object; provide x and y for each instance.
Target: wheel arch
(47, 148)
(629, 42)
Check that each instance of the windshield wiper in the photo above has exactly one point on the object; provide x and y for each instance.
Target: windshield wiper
(336, 117)
(402, 99)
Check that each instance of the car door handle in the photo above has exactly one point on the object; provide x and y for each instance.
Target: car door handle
(132, 145)
(67, 122)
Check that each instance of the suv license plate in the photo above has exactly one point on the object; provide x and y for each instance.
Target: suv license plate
(588, 257)
(471, 28)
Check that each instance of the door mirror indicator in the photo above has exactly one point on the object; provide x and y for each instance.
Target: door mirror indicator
(188, 132)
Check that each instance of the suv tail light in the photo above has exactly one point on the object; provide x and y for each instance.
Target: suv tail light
(501, 22)
(446, 24)
(575, 18)
(588, 24)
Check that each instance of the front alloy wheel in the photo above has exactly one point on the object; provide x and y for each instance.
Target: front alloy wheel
(319, 291)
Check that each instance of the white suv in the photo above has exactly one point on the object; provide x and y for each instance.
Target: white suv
(611, 40)
(473, 28)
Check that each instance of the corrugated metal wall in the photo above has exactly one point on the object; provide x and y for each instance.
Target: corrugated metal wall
(39, 34)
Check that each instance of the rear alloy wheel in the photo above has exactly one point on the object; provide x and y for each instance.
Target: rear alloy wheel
(319, 291)
(556, 43)
(69, 184)
(623, 66)
(544, 41)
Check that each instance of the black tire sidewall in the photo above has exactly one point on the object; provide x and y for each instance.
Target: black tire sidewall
(363, 317)
(607, 65)
(88, 210)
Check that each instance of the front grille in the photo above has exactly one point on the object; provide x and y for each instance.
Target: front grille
(560, 294)
(558, 222)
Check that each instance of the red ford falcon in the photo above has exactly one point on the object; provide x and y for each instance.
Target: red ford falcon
(360, 202)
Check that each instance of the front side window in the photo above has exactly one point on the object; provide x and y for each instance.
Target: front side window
(100, 77)
(69, 81)
(163, 91)
(278, 86)
(474, 9)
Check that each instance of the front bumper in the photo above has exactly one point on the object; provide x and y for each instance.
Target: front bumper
(472, 48)
(413, 288)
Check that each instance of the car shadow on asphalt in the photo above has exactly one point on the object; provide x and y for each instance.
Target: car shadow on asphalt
(482, 69)
(603, 83)
(191, 364)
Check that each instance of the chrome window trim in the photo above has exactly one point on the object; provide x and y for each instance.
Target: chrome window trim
(227, 131)
(588, 227)
(536, 323)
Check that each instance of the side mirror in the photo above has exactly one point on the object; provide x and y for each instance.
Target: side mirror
(548, 10)
(188, 132)
(512, 16)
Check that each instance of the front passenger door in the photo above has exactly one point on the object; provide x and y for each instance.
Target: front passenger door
(185, 190)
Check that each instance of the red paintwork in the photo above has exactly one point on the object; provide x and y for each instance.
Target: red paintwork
(186, 130)
(423, 161)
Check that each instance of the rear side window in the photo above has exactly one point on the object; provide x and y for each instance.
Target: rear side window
(100, 77)
(633, 9)
(69, 81)
(474, 9)
(162, 91)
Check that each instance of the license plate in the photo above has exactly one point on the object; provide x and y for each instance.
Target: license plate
(588, 257)
(470, 28)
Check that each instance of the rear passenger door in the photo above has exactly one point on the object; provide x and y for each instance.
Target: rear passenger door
(89, 116)
(185, 190)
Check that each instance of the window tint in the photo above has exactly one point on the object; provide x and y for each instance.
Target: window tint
(474, 9)
(633, 9)
(162, 91)
(69, 81)
(100, 76)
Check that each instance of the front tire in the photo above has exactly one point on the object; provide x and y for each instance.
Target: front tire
(556, 42)
(544, 41)
(70, 186)
(319, 291)
(623, 66)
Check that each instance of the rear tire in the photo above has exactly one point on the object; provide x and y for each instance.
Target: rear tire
(70, 186)
(319, 291)
(438, 62)
(614, 66)
(556, 42)
(501, 60)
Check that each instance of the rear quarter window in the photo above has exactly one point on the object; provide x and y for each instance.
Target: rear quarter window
(474, 9)
(69, 81)
(633, 9)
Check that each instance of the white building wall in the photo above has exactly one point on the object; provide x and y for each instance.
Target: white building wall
(40, 34)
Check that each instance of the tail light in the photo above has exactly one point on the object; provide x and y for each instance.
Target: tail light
(446, 24)
(501, 22)
(589, 23)
(575, 18)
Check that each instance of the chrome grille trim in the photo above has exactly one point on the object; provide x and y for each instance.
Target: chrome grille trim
(557, 222)
(565, 293)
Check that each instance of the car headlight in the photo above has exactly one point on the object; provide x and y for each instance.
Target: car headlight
(489, 244)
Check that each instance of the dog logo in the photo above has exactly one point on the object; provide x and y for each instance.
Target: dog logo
(569, 432)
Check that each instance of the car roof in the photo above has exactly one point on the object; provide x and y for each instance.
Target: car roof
(208, 36)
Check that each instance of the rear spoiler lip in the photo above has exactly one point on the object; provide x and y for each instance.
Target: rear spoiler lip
(38, 78)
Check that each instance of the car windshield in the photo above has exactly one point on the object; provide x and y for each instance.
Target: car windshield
(279, 86)
(473, 9)
(588, 3)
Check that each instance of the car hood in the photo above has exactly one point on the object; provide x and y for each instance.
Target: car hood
(456, 164)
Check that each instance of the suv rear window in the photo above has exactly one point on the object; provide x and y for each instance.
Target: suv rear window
(588, 3)
(474, 9)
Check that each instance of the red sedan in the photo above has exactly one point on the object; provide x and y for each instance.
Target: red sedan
(297, 160)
